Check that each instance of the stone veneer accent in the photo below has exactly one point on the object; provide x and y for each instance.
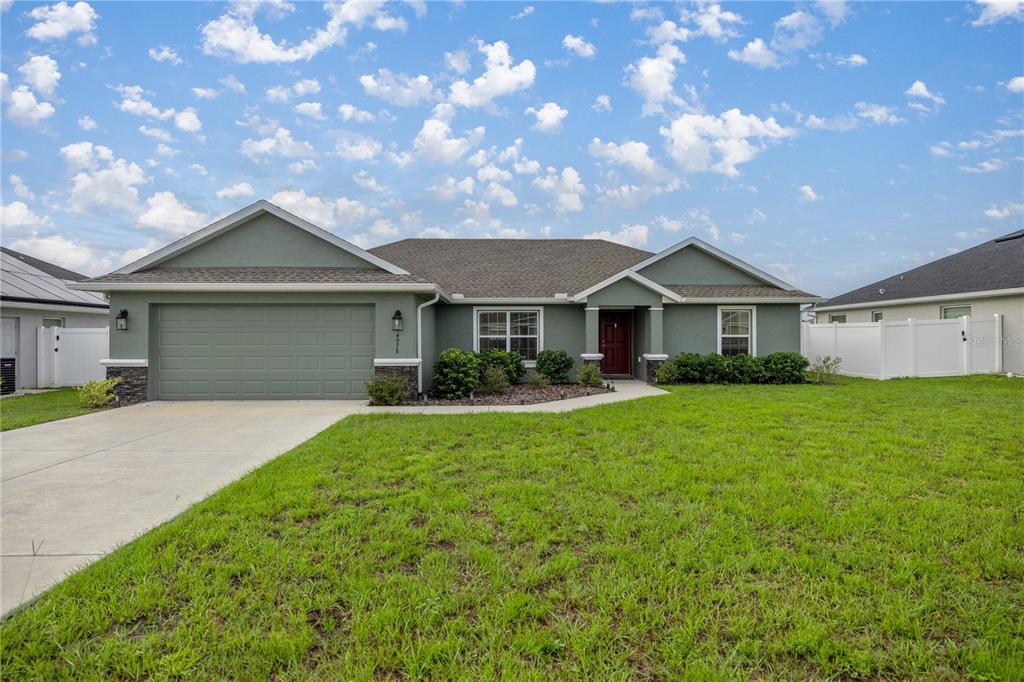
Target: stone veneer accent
(407, 372)
(652, 370)
(134, 386)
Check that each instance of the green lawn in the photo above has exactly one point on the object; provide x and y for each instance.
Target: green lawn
(36, 408)
(866, 530)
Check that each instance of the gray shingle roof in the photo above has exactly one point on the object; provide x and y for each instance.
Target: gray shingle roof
(511, 268)
(22, 281)
(259, 275)
(44, 266)
(735, 291)
(995, 264)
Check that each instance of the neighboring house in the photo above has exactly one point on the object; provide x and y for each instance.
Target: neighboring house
(982, 281)
(34, 294)
(263, 304)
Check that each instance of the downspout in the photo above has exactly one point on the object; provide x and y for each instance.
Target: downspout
(419, 340)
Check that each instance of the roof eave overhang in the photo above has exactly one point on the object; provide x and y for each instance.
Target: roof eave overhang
(990, 293)
(751, 299)
(666, 293)
(304, 287)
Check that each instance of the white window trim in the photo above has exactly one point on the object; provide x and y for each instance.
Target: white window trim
(753, 326)
(59, 319)
(509, 309)
(842, 315)
(942, 310)
(878, 312)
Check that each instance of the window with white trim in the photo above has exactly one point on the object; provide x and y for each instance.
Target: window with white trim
(955, 312)
(877, 315)
(53, 322)
(840, 318)
(510, 330)
(736, 331)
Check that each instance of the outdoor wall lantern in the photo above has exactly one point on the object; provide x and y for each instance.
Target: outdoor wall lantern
(396, 321)
(122, 320)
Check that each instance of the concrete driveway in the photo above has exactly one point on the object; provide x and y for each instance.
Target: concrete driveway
(75, 489)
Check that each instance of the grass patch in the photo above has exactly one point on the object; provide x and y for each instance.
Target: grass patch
(869, 529)
(38, 408)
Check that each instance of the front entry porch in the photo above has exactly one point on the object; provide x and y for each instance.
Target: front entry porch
(625, 341)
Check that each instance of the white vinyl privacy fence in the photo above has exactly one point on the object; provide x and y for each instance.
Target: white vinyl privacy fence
(909, 348)
(70, 357)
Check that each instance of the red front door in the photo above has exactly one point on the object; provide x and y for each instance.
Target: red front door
(615, 332)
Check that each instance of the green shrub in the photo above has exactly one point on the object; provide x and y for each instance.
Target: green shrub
(684, 368)
(97, 393)
(785, 368)
(589, 375)
(714, 369)
(456, 373)
(745, 369)
(510, 361)
(555, 365)
(493, 380)
(538, 380)
(387, 390)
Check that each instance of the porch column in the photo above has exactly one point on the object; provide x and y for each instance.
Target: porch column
(655, 354)
(592, 350)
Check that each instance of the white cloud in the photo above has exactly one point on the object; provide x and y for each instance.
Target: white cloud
(399, 89)
(164, 150)
(233, 84)
(566, 189)
(797, 31)
(1005, 211)
(501, 194)
(65, 252)
(20, 188)
(940, 150)
(278, 93)
(313, 110)
(630, 235)
(234, 34)
(300, 167)
(314, 209)
(835, 11)
(878, 114)
(712, 22)
(133, 102)
(602, 103)
(738, 238)
(188, 120)
(579, 45)
(630, 153)
(353, 113)
(653, 78)
(549, 117)
(435, 142)
(701, 142)
(22, 107)
(242, 189)
(156, 133)
(919, 91)
(281, 143)
(198, 168)
(995, 11)
(205, 93)
(968, 235)
(42, 74)
(852, 61)
(17, 215)
(492, 172)
(756, 216)
(306, 86)
(101, 180)
(86, 123)
(58, 21)
(164, 54)
(447, 188)
(457, 61)
(436, 233)
(355, 147)
(807, 194)
(1015, 84)
(756, 53)
(367, 181)
(501, 77)
(989, 166)
(166, 213)
(523, 13)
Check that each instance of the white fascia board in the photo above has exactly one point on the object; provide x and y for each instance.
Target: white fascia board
(239, 217)
(511, 301)
(130, 362)
(993, 293)
(229, 286)
(717, 253)
(628, 274)
(54, 308)
(774, 299)
(396, 362)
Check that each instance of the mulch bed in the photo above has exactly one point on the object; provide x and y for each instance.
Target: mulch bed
(520, 394)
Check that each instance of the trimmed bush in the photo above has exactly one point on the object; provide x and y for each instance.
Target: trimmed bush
(555, 365)
(714, 369)
(97, 393)
(684, 368)
(493, 380)
(387, 390)
(745, 369)
(510, 361)
(456, 373)
(786, 368)
(589, 375)
(538, 380)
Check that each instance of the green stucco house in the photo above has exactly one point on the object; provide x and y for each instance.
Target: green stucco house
(265, 305)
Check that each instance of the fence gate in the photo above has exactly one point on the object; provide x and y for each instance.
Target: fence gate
(70, 357)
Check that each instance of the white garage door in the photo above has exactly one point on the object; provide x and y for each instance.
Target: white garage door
(253, 352)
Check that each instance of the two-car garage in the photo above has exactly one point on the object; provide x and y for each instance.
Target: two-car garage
(261, 352)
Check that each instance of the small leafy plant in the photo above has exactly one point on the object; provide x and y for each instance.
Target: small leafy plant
(538, 380)
(555, 365)
(510, 361)
(826, 368)
(387, 390)
(493, 380)
(589, 375)
(456, 373)
(97, 392)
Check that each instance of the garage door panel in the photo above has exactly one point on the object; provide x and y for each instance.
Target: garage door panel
(263, 352)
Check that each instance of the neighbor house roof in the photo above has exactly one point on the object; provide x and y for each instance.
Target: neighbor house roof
(995, 265)
(25, 280)
(512, 268)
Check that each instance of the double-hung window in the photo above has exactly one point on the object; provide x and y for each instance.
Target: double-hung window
(953, 312)
(516, 330)
(736, 331)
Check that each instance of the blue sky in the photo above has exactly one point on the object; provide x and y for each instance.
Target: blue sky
(828, 143)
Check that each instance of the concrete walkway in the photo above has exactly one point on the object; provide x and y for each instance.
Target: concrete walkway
(75, 489)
